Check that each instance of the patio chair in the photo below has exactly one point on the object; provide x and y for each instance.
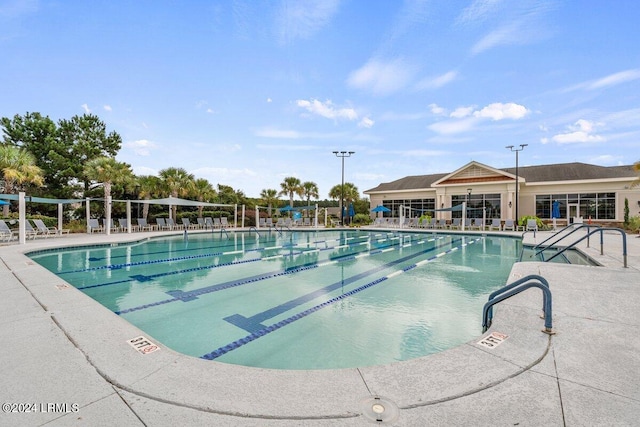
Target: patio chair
(306, 222)
(172, 224)
(477, 224)
(495, 224)
(6, 234)
(143, 225)
(224, 222)
(532, 225)
(49, 231)
(123, 225)
(162, 224)
(201, 223)
(187, 225)
(208, 221)
(94, 226)
(509, 225)
(113, 226)
(262, 222)
(30, 231)
(455, 224)
(269, 222)
(217, 223)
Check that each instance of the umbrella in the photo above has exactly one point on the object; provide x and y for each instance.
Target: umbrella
(352, 211)
(287, 208)
(2, 202)
(380, 208)
(555, 212)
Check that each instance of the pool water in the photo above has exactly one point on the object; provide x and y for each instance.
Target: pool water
(296, 300)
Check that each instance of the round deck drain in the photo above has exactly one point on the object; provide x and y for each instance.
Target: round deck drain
(379, 409)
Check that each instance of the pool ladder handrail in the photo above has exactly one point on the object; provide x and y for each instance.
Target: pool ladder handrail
(515, 288)
(600, 230)
(255, 230)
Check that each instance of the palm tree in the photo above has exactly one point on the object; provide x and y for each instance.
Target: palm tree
(269, 197)
(148, 187)
(107, 171)
(177, 182)
(290, 186)
(204, 192)
(18, 167)
(309, 190)
(349, 192)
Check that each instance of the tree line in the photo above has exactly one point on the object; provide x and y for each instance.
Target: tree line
(76, 158)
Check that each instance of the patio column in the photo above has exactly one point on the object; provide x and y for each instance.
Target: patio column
(129, 216)
(22, 218)
(88, 214)
(60, 210)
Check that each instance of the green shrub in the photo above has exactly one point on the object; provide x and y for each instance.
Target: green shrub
(424, 219)
(523, 221)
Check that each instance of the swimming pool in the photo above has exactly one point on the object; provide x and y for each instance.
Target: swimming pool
(296, 300)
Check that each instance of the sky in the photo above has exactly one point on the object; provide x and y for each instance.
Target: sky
(246, 93)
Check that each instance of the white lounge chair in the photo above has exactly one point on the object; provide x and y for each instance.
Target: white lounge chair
(495, 224)
(455, 224)
(187, 225)
(143, 225)
(509, 225)
(94, 226)
(532, 225)
(49, 231)
(6, 234)
(224, 222)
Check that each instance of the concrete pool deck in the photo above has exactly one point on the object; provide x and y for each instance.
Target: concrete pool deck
(66, 361)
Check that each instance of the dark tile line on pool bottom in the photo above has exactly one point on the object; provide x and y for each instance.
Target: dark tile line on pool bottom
(192, 295)
(268, 329)
(147, 278)
(253, 323)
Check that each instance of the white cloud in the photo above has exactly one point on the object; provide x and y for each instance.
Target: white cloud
(437, 110)
(438, 81)
(277, 133)
(500, 111)
(301, 20)
(366, 122)
(382, 78)
(269, 100)
(107, 108)
(454, 126)
(141, 147)
(581, 131)
(478, 11)
(327, 109)
(86, 109)
(615, 79)
(462, 112)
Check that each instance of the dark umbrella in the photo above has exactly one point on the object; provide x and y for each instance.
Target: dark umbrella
(380, 208)
(555, 211)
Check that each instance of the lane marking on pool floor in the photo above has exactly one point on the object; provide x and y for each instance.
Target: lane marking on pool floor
(268, 329)
(253, 323)
(179, 295)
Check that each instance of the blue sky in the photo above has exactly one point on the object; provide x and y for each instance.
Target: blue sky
(245, 93)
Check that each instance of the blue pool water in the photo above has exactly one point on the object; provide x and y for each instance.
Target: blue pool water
(296, 300)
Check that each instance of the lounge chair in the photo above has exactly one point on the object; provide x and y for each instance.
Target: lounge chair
(201, 223)
(509, 225)
(123, 225)
(6, 234)
(441, 224)
(455, 224)
(532, 225)
(49, 231)
(162, 224)
(477, 224)
(172, 224)
(495, 224)
(143, 225)
(217, 223)
(208, 222)
(224, 222)
(94, 226)
(186, 224)
(30, 231)
(113, 226)
(269, 222)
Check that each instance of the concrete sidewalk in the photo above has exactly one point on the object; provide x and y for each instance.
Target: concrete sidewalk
(66, 361)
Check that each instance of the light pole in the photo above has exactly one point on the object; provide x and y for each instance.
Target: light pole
(517, 150)
(342, 155)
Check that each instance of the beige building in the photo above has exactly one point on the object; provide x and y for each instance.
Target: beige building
(583, 192)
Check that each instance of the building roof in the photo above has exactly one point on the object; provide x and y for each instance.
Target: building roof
(544, 173)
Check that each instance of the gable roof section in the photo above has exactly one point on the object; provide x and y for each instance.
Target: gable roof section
(474, 172)
(544, 173)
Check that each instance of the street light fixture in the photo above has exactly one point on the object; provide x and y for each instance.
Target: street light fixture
(516, 150)
(342, 155)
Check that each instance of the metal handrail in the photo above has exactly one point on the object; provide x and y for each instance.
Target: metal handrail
(515, 288)
(587, 226)
(601, 230)
(254, 229)
(554, 235)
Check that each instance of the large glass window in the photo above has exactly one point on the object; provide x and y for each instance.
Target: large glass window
(491, 203)
(417, 207)
(595, 205)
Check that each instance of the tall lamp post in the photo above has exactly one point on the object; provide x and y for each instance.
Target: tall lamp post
(342, 155)
(517, 150)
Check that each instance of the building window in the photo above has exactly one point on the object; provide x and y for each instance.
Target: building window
(594, 205)
(491, 203)
(413, 207)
